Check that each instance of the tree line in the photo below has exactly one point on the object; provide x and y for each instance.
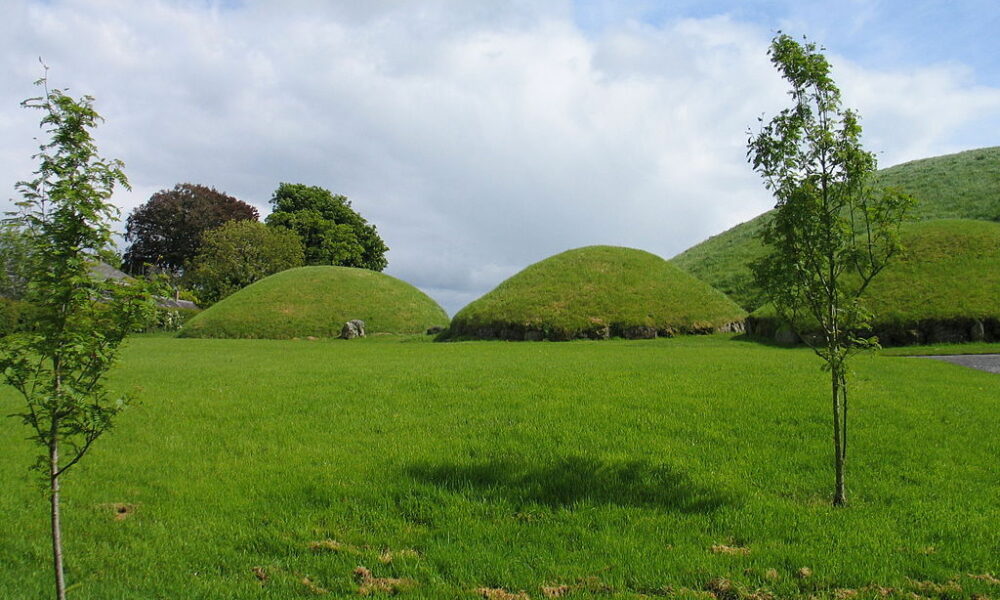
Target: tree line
(213, 244)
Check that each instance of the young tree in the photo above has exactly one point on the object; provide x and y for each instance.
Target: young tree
(332, 232)
(833, 229)
(166, 231)
(59, 367)
(239, 253)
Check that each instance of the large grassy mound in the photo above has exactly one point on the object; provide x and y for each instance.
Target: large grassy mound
(944, 287)
(597, 292)
(964, 185)
(317, 301)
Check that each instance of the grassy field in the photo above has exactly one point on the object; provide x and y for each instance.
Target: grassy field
(965, 185)
(621, 469)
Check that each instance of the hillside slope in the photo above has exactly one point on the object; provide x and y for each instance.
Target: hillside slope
(955, 186)
(944, 288)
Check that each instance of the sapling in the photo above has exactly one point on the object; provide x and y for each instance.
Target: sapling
(833, 228)
(59, 365)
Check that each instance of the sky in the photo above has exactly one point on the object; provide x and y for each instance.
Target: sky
(481, 136)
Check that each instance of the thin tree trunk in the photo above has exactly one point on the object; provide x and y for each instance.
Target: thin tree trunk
(836, 382)
(57, 559)
(843, 394)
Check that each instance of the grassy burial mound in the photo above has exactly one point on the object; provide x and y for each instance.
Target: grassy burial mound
(955, 186)
(317, 301)
(944, 288)
(597, 292)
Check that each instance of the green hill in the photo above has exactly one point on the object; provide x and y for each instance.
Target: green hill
(944, 288)
(964, 186)
(597, 292)
(317, 301)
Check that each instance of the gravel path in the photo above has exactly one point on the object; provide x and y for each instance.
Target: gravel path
(984, 362)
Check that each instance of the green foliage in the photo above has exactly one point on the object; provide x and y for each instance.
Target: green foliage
(316, 302)
(332, 232)
(964, 185)
(14, 262)
(832, 231)
(612, 468)
(166, 232)
(79, 321)
(16, 316)
(594, 291)
(170, 319)
(239, 253)
(59, 367)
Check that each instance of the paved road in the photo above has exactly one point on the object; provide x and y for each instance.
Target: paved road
(984, 362)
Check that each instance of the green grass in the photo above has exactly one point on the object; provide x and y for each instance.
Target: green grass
(943, 349)
(950, 269)
(611, 466)
(316, 302)
(597, 288)
(955, 186)
(965, 185)
(948, 275)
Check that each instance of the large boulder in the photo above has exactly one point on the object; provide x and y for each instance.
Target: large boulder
(353, 329)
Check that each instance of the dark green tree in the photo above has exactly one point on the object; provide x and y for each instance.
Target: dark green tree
(59, 367)
(14, 261)
(331, 231)
(239, 253)
(166, 231)
(833, 229)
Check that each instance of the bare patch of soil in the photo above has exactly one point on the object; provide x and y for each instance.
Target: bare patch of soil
(501, 594)
(369, 584)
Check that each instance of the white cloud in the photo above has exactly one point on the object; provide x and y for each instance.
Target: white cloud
(478, 137)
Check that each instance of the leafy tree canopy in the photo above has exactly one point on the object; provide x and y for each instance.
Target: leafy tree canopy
(167, 230)
(332, 232)
(239, 253)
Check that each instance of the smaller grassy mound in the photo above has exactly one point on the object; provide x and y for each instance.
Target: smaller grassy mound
(317, 301)
(945, 287)
(597, 292)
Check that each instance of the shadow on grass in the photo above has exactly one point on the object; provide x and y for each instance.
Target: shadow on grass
(763, 340)
(573, 480)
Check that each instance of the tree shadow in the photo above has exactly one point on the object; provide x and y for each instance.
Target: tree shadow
(763, 340)
(576, 479)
